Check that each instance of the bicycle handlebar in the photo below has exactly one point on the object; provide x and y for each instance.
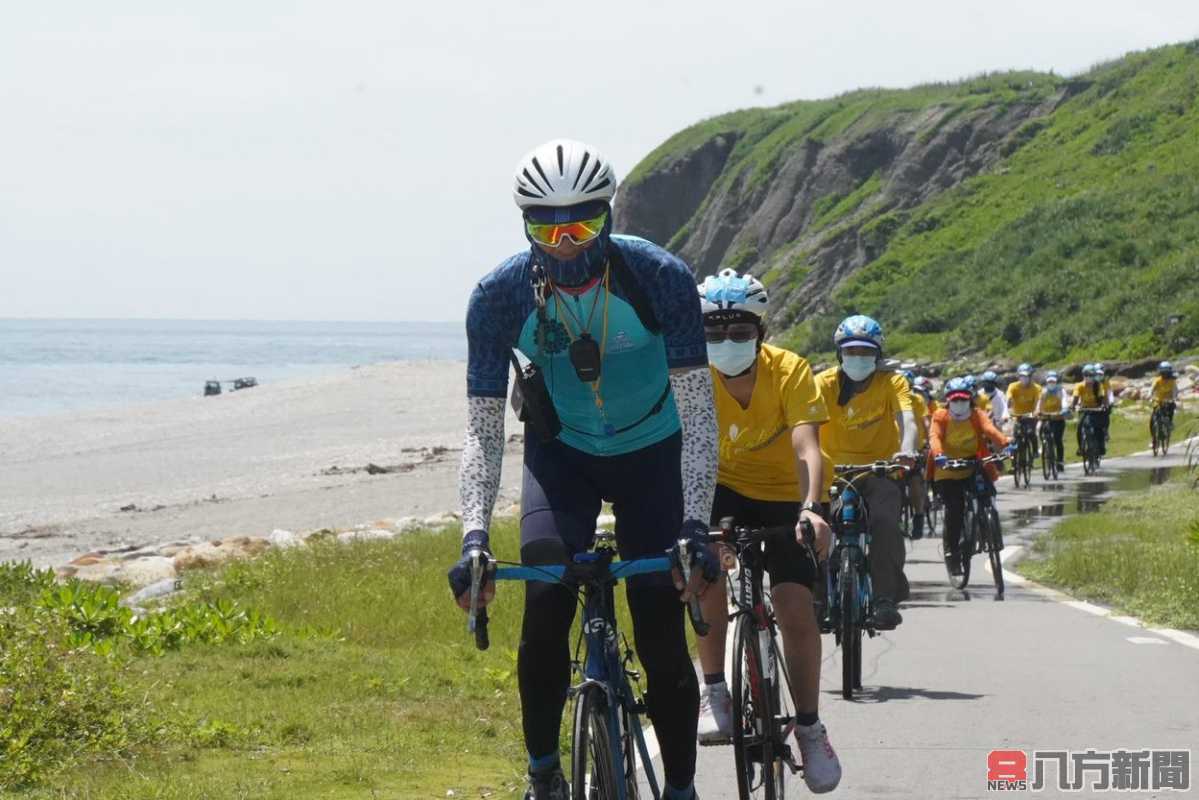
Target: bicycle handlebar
(879, 468)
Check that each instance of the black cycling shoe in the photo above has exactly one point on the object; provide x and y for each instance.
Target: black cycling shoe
(548, 785)
(886, 616)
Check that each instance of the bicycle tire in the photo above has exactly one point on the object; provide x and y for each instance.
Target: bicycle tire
(1026, 462)
(1048, 464)
(994, 542)
(851, 627)
(932, 511)
(592, 762)
(632, 788)
(755, 699)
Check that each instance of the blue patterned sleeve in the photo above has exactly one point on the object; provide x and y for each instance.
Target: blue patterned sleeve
(670, 284)
(487, 344)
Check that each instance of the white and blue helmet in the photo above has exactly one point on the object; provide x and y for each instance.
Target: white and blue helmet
(1024, 369)
(859, 330)
(740, 297)
(1165, 368)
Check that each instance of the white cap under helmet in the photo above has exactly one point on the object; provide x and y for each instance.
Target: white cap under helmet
(563, 172)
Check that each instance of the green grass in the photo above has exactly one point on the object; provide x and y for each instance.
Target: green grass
(372, 687)
(1139, 554)
(1081, 243)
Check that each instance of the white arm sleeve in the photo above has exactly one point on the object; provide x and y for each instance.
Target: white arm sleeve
(482, 460)
(697, 412)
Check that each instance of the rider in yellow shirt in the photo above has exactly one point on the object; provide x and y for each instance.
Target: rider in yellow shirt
(1094, 395)
(917, 490)
(1164, 392)
(1022, 396)
(1051, 406)
(768, 411)
(871, 419)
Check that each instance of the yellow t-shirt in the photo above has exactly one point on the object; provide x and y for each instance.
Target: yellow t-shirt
(920, 412)
(1088, 396)
(1022, 399)
(756, 456)
(864, 429)
(1163, 390)
(982, 401)
(1051, 402)
(961, 441)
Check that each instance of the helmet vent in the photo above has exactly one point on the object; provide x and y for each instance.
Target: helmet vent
(541, 172)
(561, 168)
(582, 166)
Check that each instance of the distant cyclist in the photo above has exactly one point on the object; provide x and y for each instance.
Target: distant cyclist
(1022, 396)
(768, 413)
(1051, 406)
(613, 330)
(1093, 396)
(1164, 392)
(917, 490)
(924, 387)
(994, 401)
(871, 419)
(960, 431)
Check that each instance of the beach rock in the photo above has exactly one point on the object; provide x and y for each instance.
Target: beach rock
(142, 552)
(284, 539)
(155, 590)
(407, 524)
(371, 534)
(65, 572)
(443, 520)
(213, 554)
(104, 572)
(172, 549)
(146, 571)
(87, 560)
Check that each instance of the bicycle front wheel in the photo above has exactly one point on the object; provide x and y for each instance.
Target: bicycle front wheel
(759, 764)
(994, 545)
(851, 628)
(966, 545)
(1026, 462)
(593, 772)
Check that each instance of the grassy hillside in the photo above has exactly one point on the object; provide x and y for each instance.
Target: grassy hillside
(1077, 238)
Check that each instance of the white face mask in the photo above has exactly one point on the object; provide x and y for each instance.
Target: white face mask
(1051, 387)
(959, 409)
(732, 358)
(1025, 380)
(858, 368)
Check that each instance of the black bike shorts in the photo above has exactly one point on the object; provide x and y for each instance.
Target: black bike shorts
(787, 561)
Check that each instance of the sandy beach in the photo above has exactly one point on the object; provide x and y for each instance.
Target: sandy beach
(290, 455)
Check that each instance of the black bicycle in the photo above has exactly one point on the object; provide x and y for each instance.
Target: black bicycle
(1049, 454)
(763, 709)
(1161, 424)
(850, 599)
(1090, 440)
(607, 738)
(981, 532)
(1022, 463)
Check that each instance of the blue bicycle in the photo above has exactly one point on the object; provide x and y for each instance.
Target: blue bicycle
(607, 737)
(847, 580)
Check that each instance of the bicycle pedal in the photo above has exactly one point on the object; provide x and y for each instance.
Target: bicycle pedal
(723, 741)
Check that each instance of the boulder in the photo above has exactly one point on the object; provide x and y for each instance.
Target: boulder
(146, 571)
(213, 554)
(370, 534)
(284, 539)
(108, 573)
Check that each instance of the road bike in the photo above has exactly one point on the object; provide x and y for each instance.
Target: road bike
(1090, 441)
(1049, 453)
(763, 709)
(1162, 427)
(607, 740)
(1025, 445)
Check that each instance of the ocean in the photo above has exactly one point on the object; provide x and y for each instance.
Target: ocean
(53, 366)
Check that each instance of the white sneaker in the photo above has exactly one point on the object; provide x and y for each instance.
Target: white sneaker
(715, 713)
(821, 768)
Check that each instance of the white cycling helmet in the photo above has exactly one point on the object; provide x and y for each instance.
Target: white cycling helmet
(563, 172)
(727, 291)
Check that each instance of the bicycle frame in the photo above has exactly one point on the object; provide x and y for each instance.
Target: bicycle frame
(851, 550)
(598, 658)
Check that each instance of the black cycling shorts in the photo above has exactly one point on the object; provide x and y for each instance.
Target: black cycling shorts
(787, 561)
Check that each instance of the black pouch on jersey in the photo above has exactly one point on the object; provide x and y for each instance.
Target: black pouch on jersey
(532, 402)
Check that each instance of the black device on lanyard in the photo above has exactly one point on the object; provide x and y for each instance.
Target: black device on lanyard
(585, 358)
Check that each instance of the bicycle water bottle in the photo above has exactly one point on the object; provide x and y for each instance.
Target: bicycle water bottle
(848, 505)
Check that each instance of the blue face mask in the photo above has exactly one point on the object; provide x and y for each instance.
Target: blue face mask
(583, 267)
(858, 368)
(732, 358)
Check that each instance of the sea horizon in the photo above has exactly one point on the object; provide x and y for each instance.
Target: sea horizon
(54, 365)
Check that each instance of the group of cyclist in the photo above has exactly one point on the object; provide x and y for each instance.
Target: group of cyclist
(642, 389)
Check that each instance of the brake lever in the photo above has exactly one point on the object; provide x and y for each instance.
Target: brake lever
(693, 608)
(476, 618)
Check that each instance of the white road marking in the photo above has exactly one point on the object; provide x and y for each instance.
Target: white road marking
(1146, 640)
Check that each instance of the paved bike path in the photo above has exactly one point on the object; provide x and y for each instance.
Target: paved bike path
(965, 674)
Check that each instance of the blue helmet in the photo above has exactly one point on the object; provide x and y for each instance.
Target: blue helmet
(970, 381)
(1024, 369)
(859, 330)
(1165, 367)
(958, 386)
(1051, 376)
(909, 376)
(990, 377)
(1088, 369)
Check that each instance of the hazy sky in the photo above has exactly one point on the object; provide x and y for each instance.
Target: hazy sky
(353, 160)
